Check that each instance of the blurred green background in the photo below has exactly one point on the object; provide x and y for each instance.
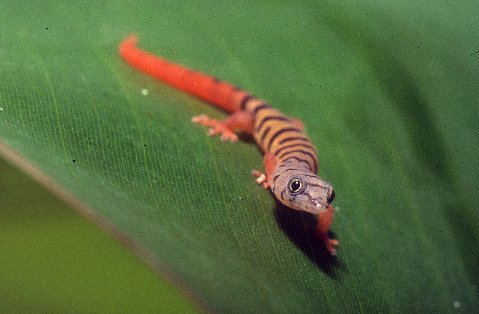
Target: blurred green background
(53, 260)
(387, 91)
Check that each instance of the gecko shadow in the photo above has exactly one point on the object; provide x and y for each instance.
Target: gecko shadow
(247, 138)
(300, 227)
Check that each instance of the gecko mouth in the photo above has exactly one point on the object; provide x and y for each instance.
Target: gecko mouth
(317, 207)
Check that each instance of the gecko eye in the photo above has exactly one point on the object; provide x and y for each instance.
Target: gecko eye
(295, 185)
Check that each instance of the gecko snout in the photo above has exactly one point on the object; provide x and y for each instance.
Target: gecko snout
(331, 197)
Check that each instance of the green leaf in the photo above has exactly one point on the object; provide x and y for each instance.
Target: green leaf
(54, 261)
(387, 91)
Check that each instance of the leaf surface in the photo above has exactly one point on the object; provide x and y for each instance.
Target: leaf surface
(387, 91)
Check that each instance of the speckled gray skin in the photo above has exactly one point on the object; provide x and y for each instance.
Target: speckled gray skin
(295, 186)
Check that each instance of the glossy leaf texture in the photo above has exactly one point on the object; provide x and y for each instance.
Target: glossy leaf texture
(387, 91)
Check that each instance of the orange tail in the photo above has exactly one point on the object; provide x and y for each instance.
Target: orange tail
(205, 87)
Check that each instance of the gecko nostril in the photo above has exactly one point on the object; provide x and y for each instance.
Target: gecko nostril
(331, 197)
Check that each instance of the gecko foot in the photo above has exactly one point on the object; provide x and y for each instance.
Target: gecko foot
(260, 179)
(216, 128)
(330, 244)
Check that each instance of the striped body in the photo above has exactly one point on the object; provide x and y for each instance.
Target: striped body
(279, 135)
(290, 158)
(272, 131)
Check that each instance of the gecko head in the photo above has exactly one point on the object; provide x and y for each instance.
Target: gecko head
(301, 189)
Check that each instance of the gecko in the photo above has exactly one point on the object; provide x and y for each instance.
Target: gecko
(290, 160)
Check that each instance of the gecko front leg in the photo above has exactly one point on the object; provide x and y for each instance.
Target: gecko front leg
(264, 179)
(240, 120)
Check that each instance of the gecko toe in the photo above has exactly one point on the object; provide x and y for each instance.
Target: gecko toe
(256, 173)
(212, 132)
(231, 137)
(261, 179)
(202, 118)
(331, 246)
